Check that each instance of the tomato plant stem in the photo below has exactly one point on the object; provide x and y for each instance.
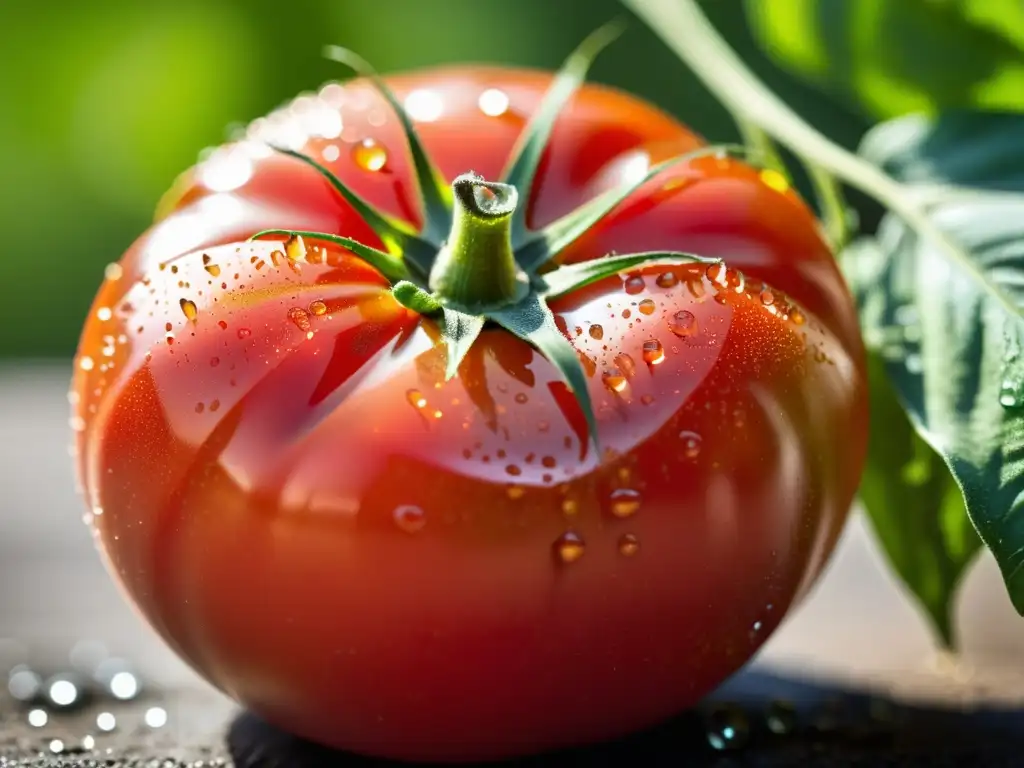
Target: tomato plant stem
(477, 266)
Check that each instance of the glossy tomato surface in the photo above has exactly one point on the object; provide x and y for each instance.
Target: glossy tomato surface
(374, 558)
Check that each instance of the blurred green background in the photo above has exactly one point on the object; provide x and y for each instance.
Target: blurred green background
(103, 103)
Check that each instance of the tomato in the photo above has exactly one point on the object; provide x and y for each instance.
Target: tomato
(384, 560)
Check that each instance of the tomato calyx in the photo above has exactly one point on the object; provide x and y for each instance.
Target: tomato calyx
(475, 261)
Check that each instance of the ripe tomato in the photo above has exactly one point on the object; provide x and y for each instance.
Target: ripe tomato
(386, 561)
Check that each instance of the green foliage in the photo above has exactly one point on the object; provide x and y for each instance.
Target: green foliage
(894, 57)
(950, 325)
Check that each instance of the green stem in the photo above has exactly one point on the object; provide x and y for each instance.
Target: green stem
(477, 267)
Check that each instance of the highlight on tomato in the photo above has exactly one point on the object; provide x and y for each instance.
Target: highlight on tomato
(470, 413)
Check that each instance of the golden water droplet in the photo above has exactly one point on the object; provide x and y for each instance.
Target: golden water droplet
(295, 248)
(667, 280)
(629, 544)
(317, 308)
(515, 492)
(653, 352)
(634, 284)
(570, 507)
(774, 180)
(647, 307)
(797, 316)
(416, 398)
(300, 318)
(624, 502)
(596, 331)
(213, 269)
(625, 364)
(716, 273)
(369, 155)
(113, 272)
(614, 380)
(683, 323)
(569, 547)
(188, 308)
(410, 518)
(691, 443)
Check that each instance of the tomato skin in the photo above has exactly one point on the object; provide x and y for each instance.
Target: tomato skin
(368, 555)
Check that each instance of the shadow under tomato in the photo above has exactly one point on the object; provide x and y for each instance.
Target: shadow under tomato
(771, 721)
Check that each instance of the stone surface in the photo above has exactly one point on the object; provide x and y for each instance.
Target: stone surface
(882, 696)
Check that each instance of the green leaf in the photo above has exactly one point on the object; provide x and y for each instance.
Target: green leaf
(915, 506)
(532, 321)
(460, 331)
(893, 57)
(558, 235)
(437, 197)
(387, 264)
(523, 167)
(398, 237)
(950, 323)
(572, 277)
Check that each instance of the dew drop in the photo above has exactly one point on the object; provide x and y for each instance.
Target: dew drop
(774, 180)
(653, 352)
(667, 280)
(113, 272)
(634, 284)
(317, 308)
(629, 544)
(300, 318)
(626, 364)
(295, 248)
(624, 502)
(781, 717)
(410, 518)
(691, 443)
(569, 547)
(797, 317)
(521, 398)
(683, 323)
(596, 331)
(38, 718)
(213, 269)
(647, 399)
(244, 333)
(416, 399)
(86, 363)
(188, 308)
(369, 155)
(727, 727)
(614, 380)
(647, 307)
(1009, 395)
(570, 507)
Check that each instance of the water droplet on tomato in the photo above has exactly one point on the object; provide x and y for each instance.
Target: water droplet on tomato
(570, 507)
(521, 398)
(113, 272)
(683, 323)
(716, 273)
(797, 317)
(410, 518)
(634, 284)
(549, 461)
(667, 280)
(767, 297)
(647, 307)
(727, 727)
(493, 103)
(213, 269)
(653, 353)
(691, 443)
(513, 470)
(214, 362)
(596, 332)
(244, 333)
(614, 380)
(295, 248)
(369, 155)
(569, 547)
(781, 717)
(416, 398)
(624, 502)
(188, 308)
(103, 314)
(317, 308)
(625, 364)
(774, 180)
(300, 318)
(515, 492)
(629, 544)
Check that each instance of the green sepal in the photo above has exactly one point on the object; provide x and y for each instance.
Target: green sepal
(572, 277)
(522, 169)
(413, 297)
(560, 234)
(399, 238)
(460, 331)
(436, 195)
(387, 264)
(533, 322)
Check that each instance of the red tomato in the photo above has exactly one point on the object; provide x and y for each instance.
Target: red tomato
(383, 561)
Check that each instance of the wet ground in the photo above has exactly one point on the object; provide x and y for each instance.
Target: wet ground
(851, 680)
